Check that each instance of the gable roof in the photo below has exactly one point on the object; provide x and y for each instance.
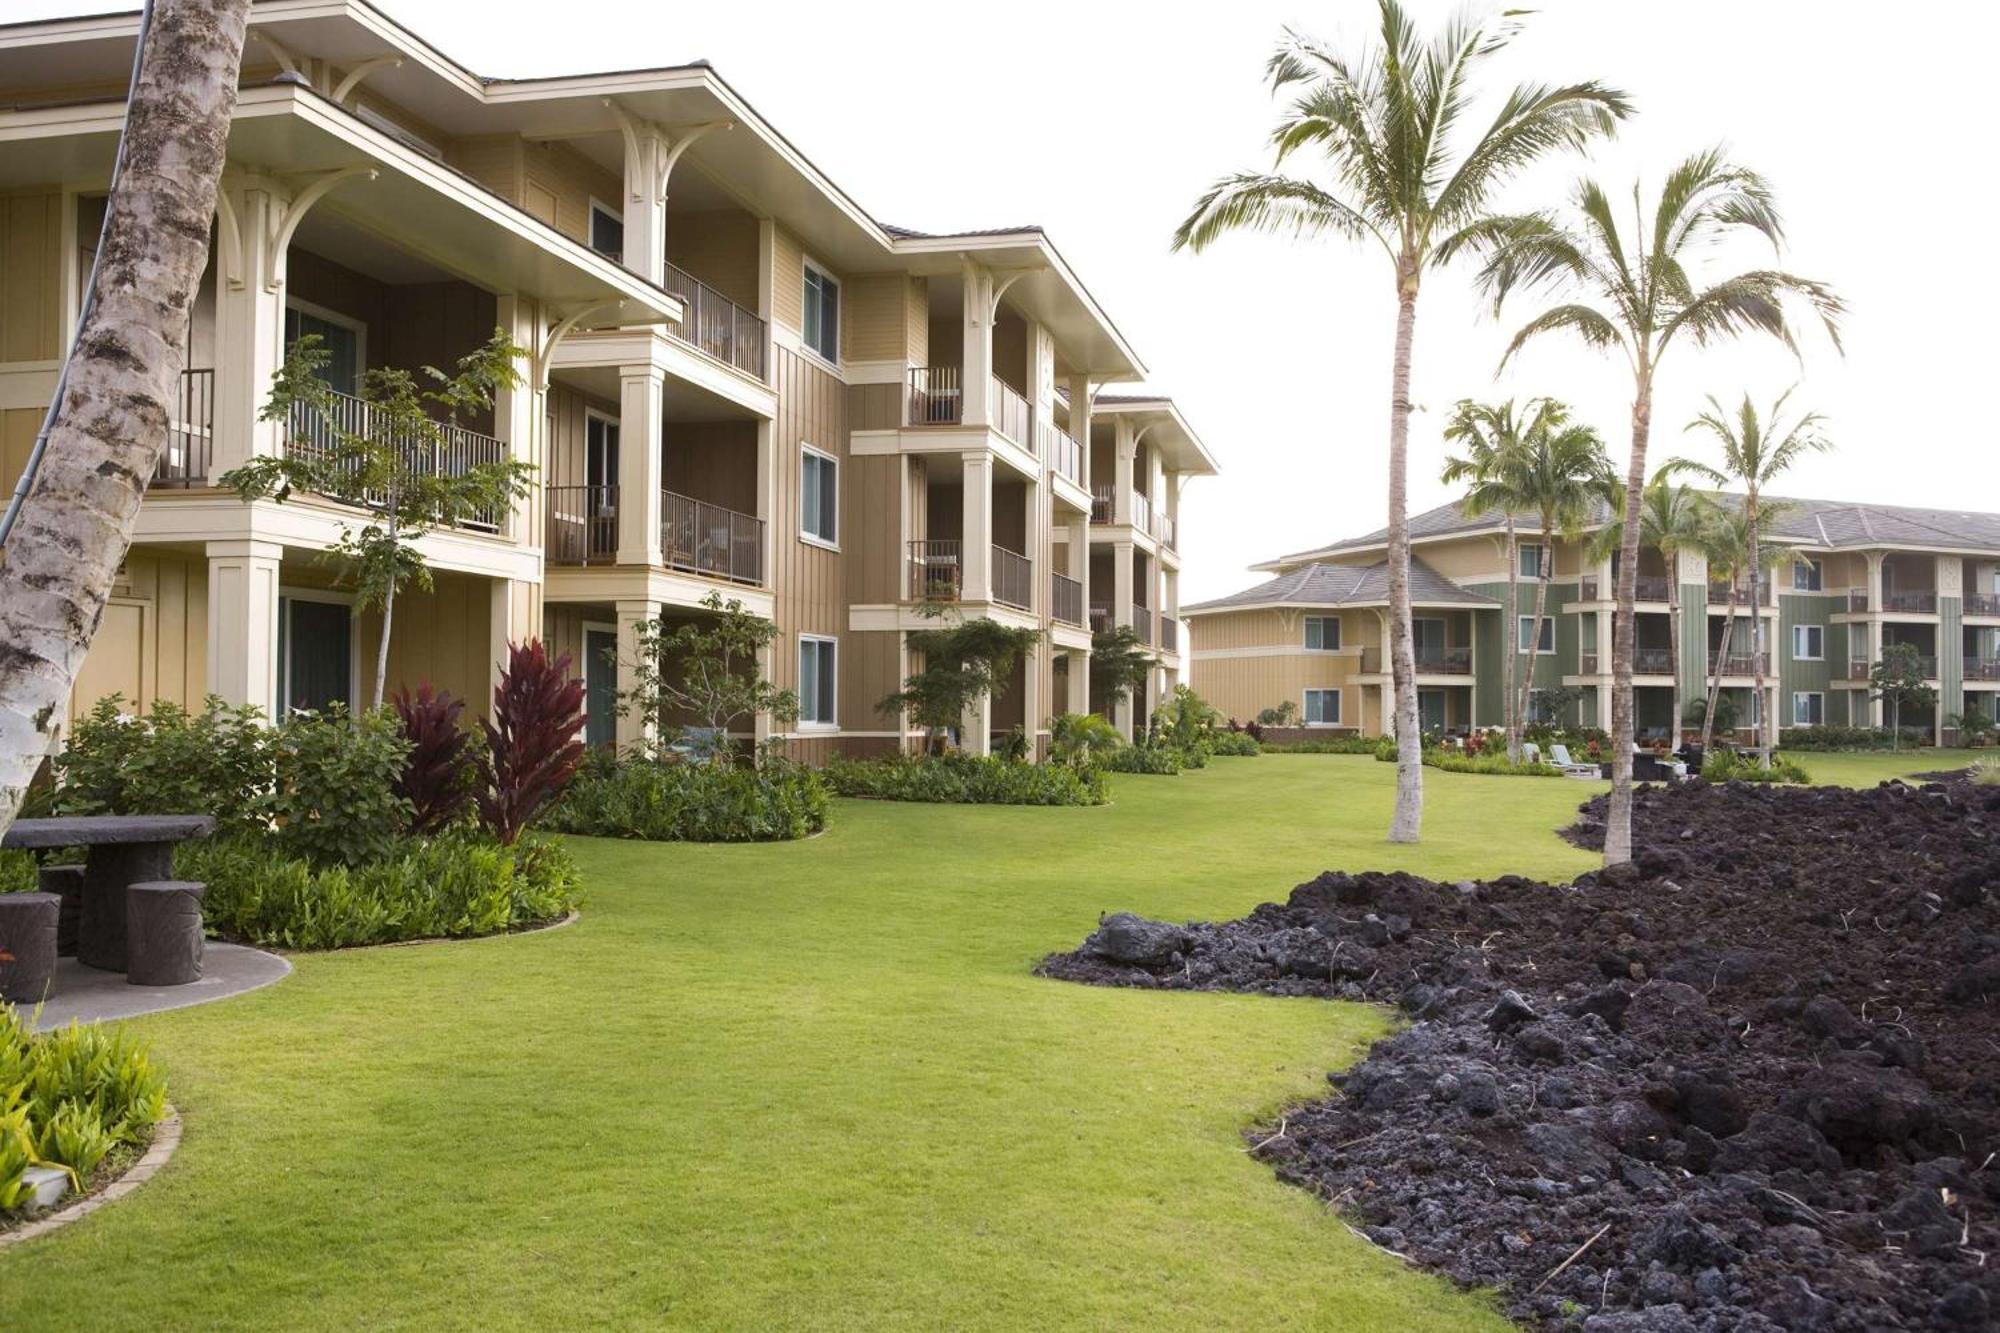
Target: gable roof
(1319, 585)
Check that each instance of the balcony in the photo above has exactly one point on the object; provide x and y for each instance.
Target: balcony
(704, 538)
(1857, 601)
(1065, 599)
(190, 431)
(1142, 512)
(1586, 664)
(937, 573)
(1100, 617)
(1102, 504)
(1748, 664)
(935, 397)
(1437, 662)
(1982, 668)
(1648, 588)
(1065, 455)
(1142, 624)
(1169, 533)
(1718, 594)
(1012, 416)
(1013, 579)
(1923, 603)
(1652, 661)
(1982, 604)
(1858, 668)
(1170, 634)
(582, 525)
(715, 324)
(455, 452)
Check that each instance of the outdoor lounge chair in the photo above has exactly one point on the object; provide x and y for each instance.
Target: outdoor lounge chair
(1559, 756)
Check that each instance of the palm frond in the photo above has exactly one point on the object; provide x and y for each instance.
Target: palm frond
(1534, 121)
(1753, 302)
(1586, 323)
(1252, 201)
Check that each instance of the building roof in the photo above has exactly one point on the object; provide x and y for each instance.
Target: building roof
(1320, 585)
(1821, 524)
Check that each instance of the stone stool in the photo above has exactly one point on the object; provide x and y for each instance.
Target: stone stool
(27, 945)
(163, 932)
(67, 882)
(100, 940)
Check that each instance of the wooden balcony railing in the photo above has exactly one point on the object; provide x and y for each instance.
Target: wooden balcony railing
(1065, 599)
(715, 324)
(936, 568)
(582, 525)
(1982, 604)
(1142, 624)
(456, 452)
(935, 396)
(705, 538)
(1013, 578)
(1012, 416)
(1910, 603)
(190, 431)
(1102, 504)
(1170, 634)
(1065, 455)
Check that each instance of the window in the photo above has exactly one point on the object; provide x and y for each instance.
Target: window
(345, 342)
(1323, 633)
(822, 314)
(1526, 633)
(819, 496)
(817, 673)
(1808, 709)
(1322, 708)
(1808, 576)
(607, 231)
(600, 456)
(1531, 560)
(1808, 643)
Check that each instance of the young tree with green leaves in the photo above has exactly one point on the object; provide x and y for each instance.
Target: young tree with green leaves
(1901, 680)
(1638, 295)
(388, 462)
(1756, 451)
(1120, 667)
(963, 662)
(1728, 548)
(1402, 171)
(708, 667)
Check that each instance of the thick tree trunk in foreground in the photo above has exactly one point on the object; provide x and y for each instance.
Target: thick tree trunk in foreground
(111, 425)
(1408, 820)
(1618, 818)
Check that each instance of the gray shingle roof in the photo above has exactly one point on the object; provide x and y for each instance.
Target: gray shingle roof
(1346, 585)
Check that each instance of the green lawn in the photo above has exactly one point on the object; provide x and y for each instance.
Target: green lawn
(800, 1086)
(1866, 768)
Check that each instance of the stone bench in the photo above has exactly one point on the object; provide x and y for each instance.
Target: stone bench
(27, 945)
(163, 941)
(66, 882)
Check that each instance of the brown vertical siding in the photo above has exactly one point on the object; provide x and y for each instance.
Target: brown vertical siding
(152, 643)
(715, 461)
(875, 406)
(31, 296)
(568, 409)
(874, 530)
(808, 579)
(788, 275)
(439, 636)
(718, 247)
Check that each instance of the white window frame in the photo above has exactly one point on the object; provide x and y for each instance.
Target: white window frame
(1520, 554)
(613, 423)
(810, 265)
(1799, 634)
(358, 327)
(1817, 582)
(819, 724)
(805, 535)
(1305, 707)
(1306, 633)
(590, 229)
(1800, 696)
(1524, 627)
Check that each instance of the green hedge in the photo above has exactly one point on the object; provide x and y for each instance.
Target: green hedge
(1238, 744)
(1455, 761)
(1331, 745)
(71, 1098)
(1727, 766)
(1832, 737)
(638, 798)
(449, 885)
(962, 779)
(1158, 760)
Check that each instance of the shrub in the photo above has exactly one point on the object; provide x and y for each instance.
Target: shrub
(1157, 760)
(1490, 764)
(1987, 772)
(438, 776)
(1284, 715)
(533, 744)
(334, 798)
(1327, 745)
(171, 762)
(963, 779)
(1234, 743)
(1728, 766)
(1833, 737)
(70, 1098)
(454, 884)
(678, 802)
(1081, 739)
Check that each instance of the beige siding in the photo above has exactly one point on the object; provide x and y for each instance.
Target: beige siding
(720, 248)
(873, 311)
(152, 643)
(494, 161)
(788, 275)
(1243, 686)
(18, 427)
(558, 184)
(917, 322)
(439, 636)
(30, 276)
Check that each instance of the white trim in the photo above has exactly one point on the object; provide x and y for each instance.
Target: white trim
(286, 636)
(1524, 623)
(616, 215)
(820, 727)
(1274, 650)
(1808, 694)
(1339, 705)
(1798, 656)
(807, 264)
(839, 519)
(359, 328)
(1305, 633)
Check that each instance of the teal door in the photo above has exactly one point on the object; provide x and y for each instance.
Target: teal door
(600, 687)
(1430, 710)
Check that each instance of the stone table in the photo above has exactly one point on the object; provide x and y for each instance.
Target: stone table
(122, 850)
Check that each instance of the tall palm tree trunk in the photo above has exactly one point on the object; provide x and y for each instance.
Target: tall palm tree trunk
(110, 426)
(1674, 640)
(1715, 678)
(1408, 819)
(1544, 570)
(1760, 714)
(1511, 714)
(1618, 817)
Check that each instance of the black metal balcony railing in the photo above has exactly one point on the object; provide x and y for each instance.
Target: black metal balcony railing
(1718, 594)
(1858, 668)
(1142, 624)
(1434, 662)
(936, 568)
(1586, 663)
(1646, 588)
(1910, 603)
(455, 452)
(1745, 664)
(1982, 604)
(1100, 617)
(705, 538)
(582, 525)
(935, 397)
(1982, 668)
(1857, 601)
(1652, 661)
(715, 324)
(1065, 599)
(1013, 578)
(1170, 634)
(190, 431)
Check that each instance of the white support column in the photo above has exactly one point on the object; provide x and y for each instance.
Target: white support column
(977, 388)
(976, 535)
(1079, 682)
(243, 622)
(1079, 421)
(520, 417)
(249, 323)
(632, 730)
(514, 615)
(763, 724)
(767, 497)
(1127, 451)
(1036, 670)
(641, 423)
(1126, 711)
(975, 731)
(645, 202)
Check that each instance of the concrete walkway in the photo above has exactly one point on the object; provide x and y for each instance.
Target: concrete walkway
(88, 994)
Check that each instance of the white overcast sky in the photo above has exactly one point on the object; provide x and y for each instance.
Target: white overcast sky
(1103, 123)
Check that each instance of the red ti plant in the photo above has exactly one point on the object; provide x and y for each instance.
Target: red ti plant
(437, 777)
(533, 740)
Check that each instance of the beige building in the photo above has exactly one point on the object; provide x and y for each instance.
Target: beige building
(1853, 579)
(737, 381)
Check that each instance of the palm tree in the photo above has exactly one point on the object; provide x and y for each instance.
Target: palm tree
(1555, 469)
(1648, 302)
(1399, 174)
(1729, 547)
(67, 530)
(1490, 435)
(1754, 454)
(1673, 517)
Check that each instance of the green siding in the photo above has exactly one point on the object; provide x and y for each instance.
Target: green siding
(1951, 654)
(1497, 632)
(1694, 661)
(1796, 676)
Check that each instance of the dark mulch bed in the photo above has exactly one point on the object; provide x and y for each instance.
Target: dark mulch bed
(1754, 1077)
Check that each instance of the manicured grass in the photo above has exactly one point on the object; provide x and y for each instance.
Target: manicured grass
(809, 1085)
(1867, 768)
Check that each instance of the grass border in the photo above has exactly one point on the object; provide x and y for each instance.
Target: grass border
(166, 1138)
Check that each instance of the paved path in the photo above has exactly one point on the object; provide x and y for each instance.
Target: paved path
(86, 993)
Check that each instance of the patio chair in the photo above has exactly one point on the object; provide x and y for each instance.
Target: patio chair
(1531, 753)
(1559, 756)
